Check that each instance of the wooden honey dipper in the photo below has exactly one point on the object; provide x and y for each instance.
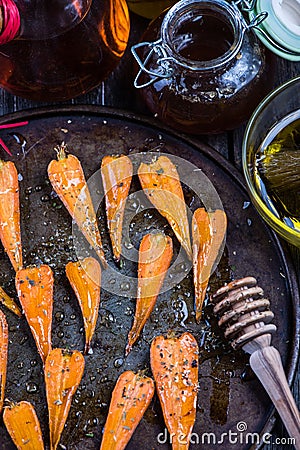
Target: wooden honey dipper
(244, 312)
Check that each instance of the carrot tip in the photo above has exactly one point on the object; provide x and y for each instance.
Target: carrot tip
(198, 317)
(17, 312)
(13, 308)
(128, 349)
(102, 259)
(10, 304)
(117, 258)
(87, 348)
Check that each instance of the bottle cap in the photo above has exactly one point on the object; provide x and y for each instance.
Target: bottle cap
(280, 30)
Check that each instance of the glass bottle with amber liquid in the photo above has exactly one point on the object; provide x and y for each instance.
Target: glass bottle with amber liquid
(54, 50)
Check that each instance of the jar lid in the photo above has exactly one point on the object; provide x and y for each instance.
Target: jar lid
(280, 30)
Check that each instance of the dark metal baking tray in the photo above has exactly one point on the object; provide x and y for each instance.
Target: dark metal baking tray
(229, 394)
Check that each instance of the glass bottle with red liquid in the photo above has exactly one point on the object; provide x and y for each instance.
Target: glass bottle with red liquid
(54, 50)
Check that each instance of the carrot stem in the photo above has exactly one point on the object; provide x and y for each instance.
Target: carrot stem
(155, 254)
(61, 151)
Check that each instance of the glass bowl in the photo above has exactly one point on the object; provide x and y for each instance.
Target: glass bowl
(280, 108)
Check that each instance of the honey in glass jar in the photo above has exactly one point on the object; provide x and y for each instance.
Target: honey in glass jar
(201, 67)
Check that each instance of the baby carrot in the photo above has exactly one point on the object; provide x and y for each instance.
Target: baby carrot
(3, 355)
(161, 183)
(35, 290)
(116, 174)
(23, 426)
(208, 231)
(202, 239)
(130, 399)
(9, 302)
(155, 254)
(174, 364)
(63, 373)
(85, 279)
(68, 181)
(10, 230)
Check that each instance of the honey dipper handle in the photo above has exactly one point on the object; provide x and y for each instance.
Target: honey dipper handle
(267, 365)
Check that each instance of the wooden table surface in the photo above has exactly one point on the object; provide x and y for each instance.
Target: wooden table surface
(118, 92)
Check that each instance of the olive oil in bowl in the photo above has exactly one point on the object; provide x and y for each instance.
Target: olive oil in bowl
(276, 172)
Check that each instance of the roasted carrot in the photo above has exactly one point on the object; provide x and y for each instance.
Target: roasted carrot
(161, 183)
(174, 364)
(23, 426)
(202, 239)
(85, 279)
(116, 174)
(10, 229)
(130, 399)
(35, 291)
(208, 231)
(3, 356)
(155, 254)
(63, 373)
(7, 301)
(68, 181)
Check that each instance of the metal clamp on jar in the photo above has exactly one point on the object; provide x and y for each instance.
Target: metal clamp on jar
(280, 32)
(202, 69)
